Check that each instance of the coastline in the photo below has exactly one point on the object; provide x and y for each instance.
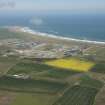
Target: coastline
(28, 30)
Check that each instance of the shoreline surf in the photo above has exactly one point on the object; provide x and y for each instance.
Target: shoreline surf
(30, 31)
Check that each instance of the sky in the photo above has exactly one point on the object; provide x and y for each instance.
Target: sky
(53, 5)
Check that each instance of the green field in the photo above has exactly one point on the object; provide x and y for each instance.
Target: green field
(29, 85)
(39, 70)
(59, 74)
(33, 99)
(78, 95)
(82, 93)
(90, 82)
(33, 81)
(27, 68)
(99, 68)
(6, 63)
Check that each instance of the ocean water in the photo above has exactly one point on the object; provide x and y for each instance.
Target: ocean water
(79, 26)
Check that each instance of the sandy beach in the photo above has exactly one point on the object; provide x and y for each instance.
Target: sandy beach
(28, 30)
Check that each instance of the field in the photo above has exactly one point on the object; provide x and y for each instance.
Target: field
(63, 81)
(27, 92)
(6, 63)
(99, 67)
(82, 93)
(86, 81)
(39, 70)
(6, 97)
(29, 85)
(72, 64)
(33, 99)
(77, 95)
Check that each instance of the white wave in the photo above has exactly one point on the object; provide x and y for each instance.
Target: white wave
(28, 30)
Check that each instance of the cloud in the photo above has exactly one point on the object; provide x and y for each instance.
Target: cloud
(7, 4)
(36, 21)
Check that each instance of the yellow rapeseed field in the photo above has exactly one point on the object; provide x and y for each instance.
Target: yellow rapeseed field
(72, 63)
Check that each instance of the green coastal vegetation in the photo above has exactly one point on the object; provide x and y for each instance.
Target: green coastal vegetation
(25, 78)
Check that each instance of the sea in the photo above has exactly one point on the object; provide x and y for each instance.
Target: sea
(78, 26)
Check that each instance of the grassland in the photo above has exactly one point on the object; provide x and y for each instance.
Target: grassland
(86, 81)
(6, 97)
(99, 67)
(33, 99)
(29, 85)
(77, 95)
(39, 70)
(6, 63)
(72, 63)
(82, 93)
(54, 82)
(59, 74)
